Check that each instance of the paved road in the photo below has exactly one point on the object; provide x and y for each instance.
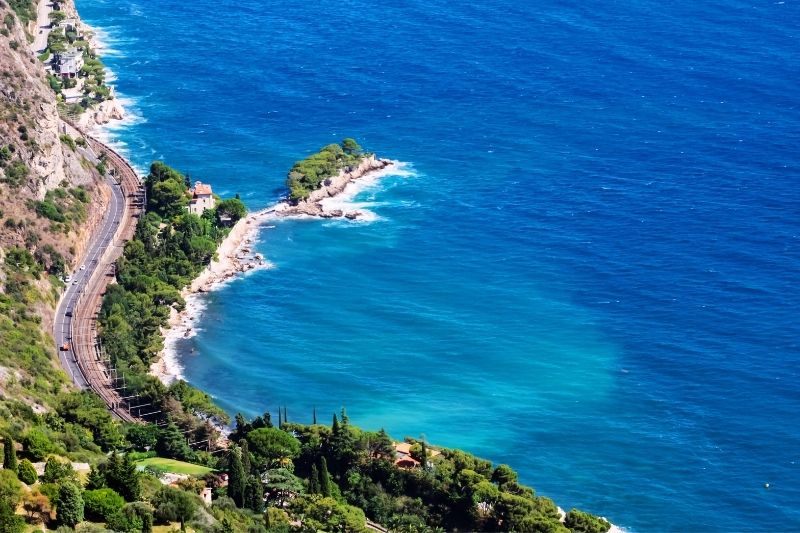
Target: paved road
(42, 26)
(75, 324)
(103, 238)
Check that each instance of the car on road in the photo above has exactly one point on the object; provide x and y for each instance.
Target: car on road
(83, 267)
(67, 279)
(65, 347)
(75, 282)
(68, 313)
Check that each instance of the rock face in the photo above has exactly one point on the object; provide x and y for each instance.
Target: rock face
(31, 130)
(103, 113)
(312, 206)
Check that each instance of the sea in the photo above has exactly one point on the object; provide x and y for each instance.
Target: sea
(586, 263)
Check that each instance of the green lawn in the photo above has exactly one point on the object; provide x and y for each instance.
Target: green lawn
(174, 466)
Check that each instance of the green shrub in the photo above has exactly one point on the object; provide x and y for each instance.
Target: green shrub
(70, 505)
(50, 210)
(37, 444)
(27, 472)
(15, 173)
(102, 504)
(68, 140)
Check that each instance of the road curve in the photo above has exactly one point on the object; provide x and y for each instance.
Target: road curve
(75, 323)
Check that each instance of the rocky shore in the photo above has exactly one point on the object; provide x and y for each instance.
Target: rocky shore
(102, 113)
(235, 257)
(314, 204)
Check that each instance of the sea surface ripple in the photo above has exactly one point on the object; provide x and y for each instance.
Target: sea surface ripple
(589, 271)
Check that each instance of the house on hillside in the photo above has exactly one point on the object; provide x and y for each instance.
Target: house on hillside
(69, 24)
(403, 457)
(201, 198)
(69, 63)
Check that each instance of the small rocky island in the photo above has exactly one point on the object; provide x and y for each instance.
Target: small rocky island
(326, 174)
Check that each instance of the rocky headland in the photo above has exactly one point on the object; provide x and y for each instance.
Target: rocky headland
(331, 187)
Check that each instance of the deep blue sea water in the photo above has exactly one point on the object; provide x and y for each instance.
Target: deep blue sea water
(589, 272)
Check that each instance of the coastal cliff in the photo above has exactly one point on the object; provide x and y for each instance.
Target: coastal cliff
(52, 195)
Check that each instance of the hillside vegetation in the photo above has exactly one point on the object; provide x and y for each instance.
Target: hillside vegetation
(50, 195)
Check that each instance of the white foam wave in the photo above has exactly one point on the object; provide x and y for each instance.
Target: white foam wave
(345, 201)
(169, 367)
(105, 43)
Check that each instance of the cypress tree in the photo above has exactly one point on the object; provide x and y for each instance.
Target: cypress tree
(121, 475)
(324, 478)
(424, 454)
(313, 481)
(280, 417)
(9, 455)
(285, 417)
(345, 418)
(335, 425)
(314, 415)
(236, 478)
(247, 462)
(69, 511)
(254, 494)
(131, 480)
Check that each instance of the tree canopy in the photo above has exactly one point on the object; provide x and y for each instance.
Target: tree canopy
(308, 174)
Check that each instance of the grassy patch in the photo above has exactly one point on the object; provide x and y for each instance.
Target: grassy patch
(174, 466)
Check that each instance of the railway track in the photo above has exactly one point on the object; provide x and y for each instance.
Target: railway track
(75, 327)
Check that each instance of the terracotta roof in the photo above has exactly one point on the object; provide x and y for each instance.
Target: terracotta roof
(201, 188)
(403, 447)
(406, 462)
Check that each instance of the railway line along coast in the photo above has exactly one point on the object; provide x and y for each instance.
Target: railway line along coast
(75, 327)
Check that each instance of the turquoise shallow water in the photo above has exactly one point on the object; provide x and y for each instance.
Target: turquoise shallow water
(589, 269)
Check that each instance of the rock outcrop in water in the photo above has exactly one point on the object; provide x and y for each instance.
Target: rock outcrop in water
(312, 206)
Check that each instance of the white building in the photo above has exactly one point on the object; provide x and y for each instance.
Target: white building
(201, 198)
(69, 24)
(69, 63)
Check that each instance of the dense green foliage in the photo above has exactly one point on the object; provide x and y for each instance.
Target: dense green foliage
(69, 509)
(308, 174)
(582, 522)
(102, 504)
(170, 247)
(173, 505)
(15, 173)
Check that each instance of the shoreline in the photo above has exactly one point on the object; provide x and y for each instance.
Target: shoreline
(235, 257)
(101, 113)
